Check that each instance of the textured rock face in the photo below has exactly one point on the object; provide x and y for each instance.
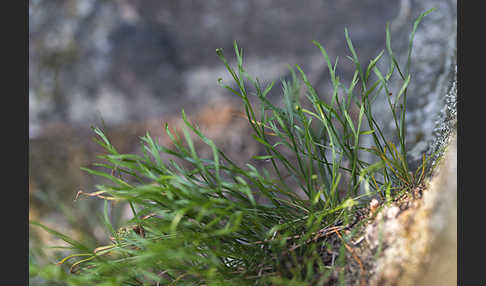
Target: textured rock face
(441, 268)
(419, 242)
(431, 96)
(418, 237)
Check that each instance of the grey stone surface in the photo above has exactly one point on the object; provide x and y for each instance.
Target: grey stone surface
(432, 91)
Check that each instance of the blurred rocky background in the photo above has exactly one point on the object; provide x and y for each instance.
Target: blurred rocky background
(132, 65)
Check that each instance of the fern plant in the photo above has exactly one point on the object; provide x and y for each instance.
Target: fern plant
(210, 221)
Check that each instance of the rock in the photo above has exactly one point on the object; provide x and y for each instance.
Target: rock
(416, 239)
(417, 245)
(432, 93)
